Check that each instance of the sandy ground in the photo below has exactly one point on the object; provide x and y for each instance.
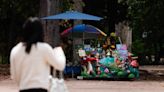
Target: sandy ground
(8, 85)
(152, 80)
(74, 85)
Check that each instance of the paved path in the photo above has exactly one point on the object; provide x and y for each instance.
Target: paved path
(99, 86)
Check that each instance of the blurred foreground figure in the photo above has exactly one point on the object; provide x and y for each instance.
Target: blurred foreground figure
(31, 59)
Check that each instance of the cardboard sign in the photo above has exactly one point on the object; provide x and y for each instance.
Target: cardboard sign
(81, 53)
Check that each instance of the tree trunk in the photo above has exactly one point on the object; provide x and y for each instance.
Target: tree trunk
(125, 33)
(51, 27)
(54, 25)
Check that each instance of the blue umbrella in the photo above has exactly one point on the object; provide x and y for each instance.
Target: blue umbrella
(73, 15)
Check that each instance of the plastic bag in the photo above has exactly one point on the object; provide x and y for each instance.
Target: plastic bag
(57, 85)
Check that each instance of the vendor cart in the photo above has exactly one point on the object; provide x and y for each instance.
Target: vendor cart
(119, 65)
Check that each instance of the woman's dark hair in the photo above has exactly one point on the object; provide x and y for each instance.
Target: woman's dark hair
(32, 32)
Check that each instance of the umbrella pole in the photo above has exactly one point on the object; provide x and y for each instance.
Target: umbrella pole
(73, 59)
(73, 42)
(83, 38)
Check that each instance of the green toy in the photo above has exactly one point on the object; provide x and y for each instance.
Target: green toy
(131, 76)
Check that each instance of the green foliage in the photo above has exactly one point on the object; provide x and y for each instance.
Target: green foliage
(146, 16)
(138, 47)
(66, 5)
(69, 5)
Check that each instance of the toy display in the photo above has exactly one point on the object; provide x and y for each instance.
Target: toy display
(109, 61)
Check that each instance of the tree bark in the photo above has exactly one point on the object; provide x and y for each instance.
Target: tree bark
(51, 27)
